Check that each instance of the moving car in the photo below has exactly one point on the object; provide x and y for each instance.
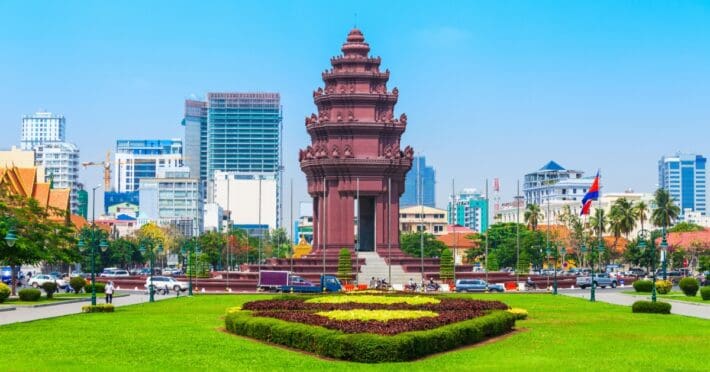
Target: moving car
(40, 279)
(600, 280)
(117, 274)
(477, 285)
(108, 271)
(166, 282)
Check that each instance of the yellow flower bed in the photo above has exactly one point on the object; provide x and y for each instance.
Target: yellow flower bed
(377, 315)
(369, 299)
(519, 313)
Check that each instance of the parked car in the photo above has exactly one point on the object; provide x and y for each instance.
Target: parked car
(107, 272)
(171, 271)
(477, 285)
(600, 280)
(40, 279)
(637, 272)
(117, 274)
(166, 282)
(6, 273)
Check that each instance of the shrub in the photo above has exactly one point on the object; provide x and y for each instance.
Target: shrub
(520, 314)
(663, 286)
(446, 265)
(371, 299)
(643, 285)
(705, 293)
(689, 286)
(4, 292)
(49, 288)
(29, 294)
(365, 347)
(376, 315)
(99, 287)
(651, 307)
(77, 283)
(100, 308)
(344, 265)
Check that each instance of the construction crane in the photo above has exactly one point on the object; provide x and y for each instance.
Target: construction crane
(107, 169)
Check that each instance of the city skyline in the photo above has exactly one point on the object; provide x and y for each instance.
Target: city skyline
(581, 90)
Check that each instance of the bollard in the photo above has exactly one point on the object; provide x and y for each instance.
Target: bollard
(203, 290)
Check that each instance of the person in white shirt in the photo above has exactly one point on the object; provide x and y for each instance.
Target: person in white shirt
(109, 292)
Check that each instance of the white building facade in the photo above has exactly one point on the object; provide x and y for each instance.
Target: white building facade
(250, 200)
(172, 199)
(136, 159)
(60, 161)
(554, 182)
(42, 127)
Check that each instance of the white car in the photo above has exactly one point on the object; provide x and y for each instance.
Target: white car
(166, 282)
(117, 273)
(40, 279)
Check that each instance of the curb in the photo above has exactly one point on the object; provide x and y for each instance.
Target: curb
(6, 308)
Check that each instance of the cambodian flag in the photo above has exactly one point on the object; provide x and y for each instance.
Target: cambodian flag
(591, 195)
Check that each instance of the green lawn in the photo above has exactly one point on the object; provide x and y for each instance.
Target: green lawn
(674, 295)
(561, 333)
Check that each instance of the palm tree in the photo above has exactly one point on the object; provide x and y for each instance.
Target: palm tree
(622, 219)
(533, 215)
(641, 211)
(666, 211)
(598, 222)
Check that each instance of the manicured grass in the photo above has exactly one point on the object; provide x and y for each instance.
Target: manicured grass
(561, 333)
(58, 297)
(674, 295)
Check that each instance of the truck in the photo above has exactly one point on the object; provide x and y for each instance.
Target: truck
(284, 281)
(600, 280)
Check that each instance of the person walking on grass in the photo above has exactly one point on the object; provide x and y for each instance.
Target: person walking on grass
(109, 292)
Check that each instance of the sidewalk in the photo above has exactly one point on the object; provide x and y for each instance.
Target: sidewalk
(678, 307)
(26, 314)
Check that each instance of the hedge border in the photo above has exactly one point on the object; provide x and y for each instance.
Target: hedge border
(366, 347)
(649, 307)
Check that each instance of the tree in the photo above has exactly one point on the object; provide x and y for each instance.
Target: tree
(622, 219)
(39, 238)
(678, 258)
(666, 211)
(533, 215)
(410, 244)
(686, 227)
(598, 222)
(344, 265)
(211, 245)
(278, 243)
(523, 263)
(641, 211)
(446, 265)
(492, 262)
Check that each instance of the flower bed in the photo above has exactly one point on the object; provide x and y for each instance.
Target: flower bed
(370, 330)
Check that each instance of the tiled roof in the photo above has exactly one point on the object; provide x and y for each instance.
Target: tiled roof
(458, 240)
(686, 240)
(41, 193)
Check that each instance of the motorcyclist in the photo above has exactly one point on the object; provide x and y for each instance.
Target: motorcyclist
(529, 283)
(412, 284)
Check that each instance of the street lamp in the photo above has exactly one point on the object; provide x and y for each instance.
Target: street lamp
(664, 251)
(583, 248)
(190, 250)
(643, 235)
(151, 255)
(10, 237)
(94, 234)
(554, 269)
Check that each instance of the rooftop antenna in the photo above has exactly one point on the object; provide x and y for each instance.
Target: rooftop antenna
(355, 24)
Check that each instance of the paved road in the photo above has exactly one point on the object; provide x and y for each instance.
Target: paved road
(26, 314)
(614, 296)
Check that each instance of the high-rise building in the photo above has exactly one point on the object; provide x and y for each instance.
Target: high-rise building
(238, 133)
(61, 167)
(554, 182)
(469, 209)
(683, 175)
(42, 127)
(419, 185)
(136, 159)
(172, 198)
(82, 198)
(249, 200)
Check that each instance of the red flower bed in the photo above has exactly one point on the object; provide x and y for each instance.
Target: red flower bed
(449, 310)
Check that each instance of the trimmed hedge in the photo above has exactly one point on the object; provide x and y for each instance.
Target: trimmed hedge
(100, 287)
(643, 285)
(29, 294)
(366, 347)
(651, 307)
(705, 293)
(100, 308)
(689, 286)
(4, 292)
(663, 286)
(77, 283)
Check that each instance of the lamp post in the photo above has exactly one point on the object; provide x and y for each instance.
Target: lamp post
(151, 255)
(94, 234)
(547, 255)
(664, 252)
(591, 264)
(554, 269)
(190, 251)
(644, 235)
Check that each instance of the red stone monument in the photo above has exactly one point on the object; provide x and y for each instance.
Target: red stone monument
(355, 151)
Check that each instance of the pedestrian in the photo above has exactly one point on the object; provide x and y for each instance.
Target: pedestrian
(373, 282)
(108, 290)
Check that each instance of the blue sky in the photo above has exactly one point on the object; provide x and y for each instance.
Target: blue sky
(491, 88)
